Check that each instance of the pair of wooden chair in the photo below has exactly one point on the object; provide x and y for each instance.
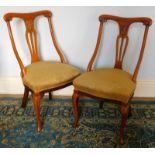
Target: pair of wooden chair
(112, 84)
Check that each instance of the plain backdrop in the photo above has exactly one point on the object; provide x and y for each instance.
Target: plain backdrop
(76, 30)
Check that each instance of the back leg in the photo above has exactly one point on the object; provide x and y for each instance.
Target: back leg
(101, 104)
(50, 95)
(130, 113)
(25, 97)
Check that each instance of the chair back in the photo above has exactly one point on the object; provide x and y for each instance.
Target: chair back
(30, 34)
(122, 39)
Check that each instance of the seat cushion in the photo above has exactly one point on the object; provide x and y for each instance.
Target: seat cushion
(108, 83)
(44, 75)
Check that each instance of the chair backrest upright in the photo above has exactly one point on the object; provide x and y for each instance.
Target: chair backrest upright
(30, 34)
(122, 39)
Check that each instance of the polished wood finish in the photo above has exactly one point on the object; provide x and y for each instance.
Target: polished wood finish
(122, 40)
(31, 39)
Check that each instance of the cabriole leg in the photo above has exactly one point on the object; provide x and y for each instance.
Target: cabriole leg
(75, 98)
(36, 102)
(124, 109)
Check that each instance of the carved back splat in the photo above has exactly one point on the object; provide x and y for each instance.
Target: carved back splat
(30, 34)
(122, 39)
(31, 39)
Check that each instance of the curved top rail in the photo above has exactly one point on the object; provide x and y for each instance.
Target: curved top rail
(25, 16)
(145, 20)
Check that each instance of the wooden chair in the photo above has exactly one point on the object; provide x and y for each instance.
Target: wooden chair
(112, 84)
(40, 76)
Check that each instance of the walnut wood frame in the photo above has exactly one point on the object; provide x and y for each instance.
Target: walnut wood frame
(124, 24)
(31, 38)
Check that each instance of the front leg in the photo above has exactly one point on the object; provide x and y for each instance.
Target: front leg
(36, 101)
(124, 109)
(75, 98)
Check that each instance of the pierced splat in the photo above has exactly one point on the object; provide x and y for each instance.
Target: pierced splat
(121, 44)
(31, 39)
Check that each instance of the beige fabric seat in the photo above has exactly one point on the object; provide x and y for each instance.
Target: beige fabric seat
(44, 75)
(106, 83)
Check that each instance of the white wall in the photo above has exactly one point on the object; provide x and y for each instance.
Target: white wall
(76, 31)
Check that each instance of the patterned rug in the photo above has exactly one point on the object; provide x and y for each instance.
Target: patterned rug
(98, 128)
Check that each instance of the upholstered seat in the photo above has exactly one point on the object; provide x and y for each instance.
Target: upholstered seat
(44, 75)
(106, 83)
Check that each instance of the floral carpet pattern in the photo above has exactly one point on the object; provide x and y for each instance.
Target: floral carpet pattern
(97, 128)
